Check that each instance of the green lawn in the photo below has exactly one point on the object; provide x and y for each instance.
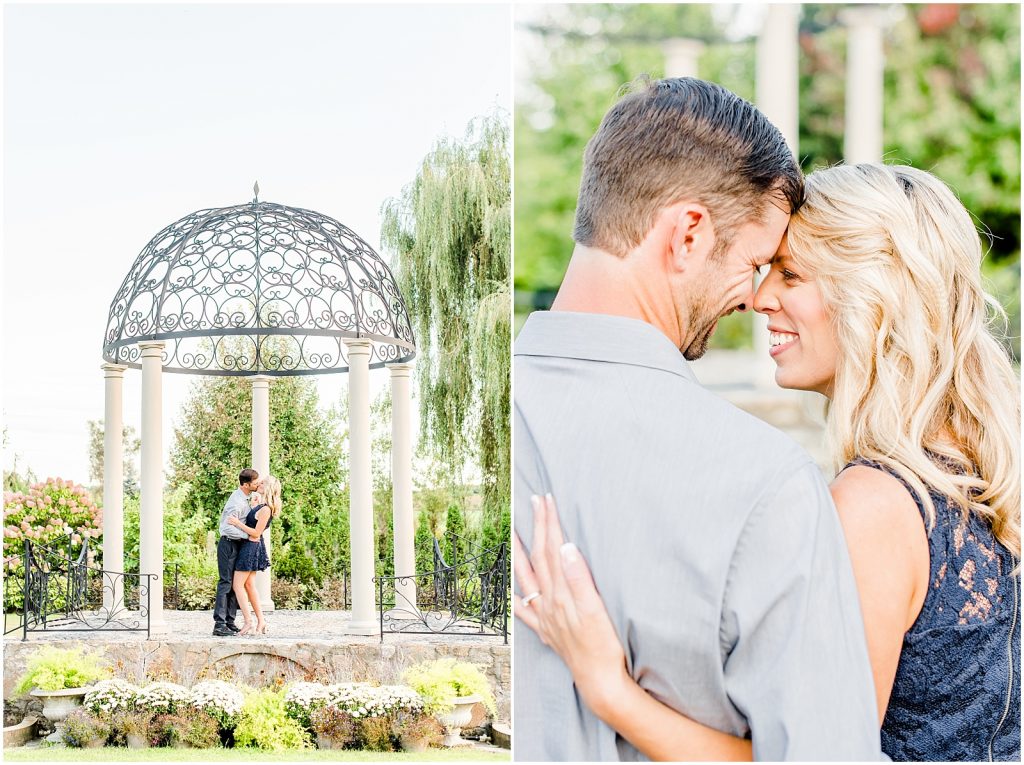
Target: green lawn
(120, 754)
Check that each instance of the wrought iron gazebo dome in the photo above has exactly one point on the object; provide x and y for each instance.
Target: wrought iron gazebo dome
(258, 288)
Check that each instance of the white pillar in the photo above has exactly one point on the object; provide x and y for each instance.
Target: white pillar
(865, 63)
(113, 487)
(151, 513)
(778, 98)
(364, 616)
(261, 464)
(401, 478)
(682, 56)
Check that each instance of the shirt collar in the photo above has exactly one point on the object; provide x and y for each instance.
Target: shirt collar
(600, 337)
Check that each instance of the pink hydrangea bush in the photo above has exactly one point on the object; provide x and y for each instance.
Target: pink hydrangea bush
(50, 511)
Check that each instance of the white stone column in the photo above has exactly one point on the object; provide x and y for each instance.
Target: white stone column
(778, 98)
(261, 464)
(401, 479)
(682, 56)
(365, 620)
(151, 513)
(865, 65)
(113, 487)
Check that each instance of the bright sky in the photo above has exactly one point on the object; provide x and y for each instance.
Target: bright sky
(120, 119)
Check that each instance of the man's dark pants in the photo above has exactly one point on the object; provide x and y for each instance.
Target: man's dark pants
(225, 608)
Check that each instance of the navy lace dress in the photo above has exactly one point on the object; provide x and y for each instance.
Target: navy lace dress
(956, 695)
(253, 555)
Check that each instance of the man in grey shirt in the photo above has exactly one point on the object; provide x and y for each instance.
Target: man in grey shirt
(711, 536)
(225, 607)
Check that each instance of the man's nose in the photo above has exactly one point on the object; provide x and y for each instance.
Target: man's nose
(748, 300)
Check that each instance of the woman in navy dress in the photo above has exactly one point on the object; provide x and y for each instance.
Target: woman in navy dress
(875, 301)
(253, 555)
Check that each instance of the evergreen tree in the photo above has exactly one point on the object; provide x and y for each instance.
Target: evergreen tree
(424, 543)
(455, 546)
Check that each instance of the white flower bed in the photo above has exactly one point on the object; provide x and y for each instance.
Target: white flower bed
(364, 700)
(110, 696)
(218, 698)
(163, 698)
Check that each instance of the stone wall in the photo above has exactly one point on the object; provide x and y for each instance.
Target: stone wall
(264, 662)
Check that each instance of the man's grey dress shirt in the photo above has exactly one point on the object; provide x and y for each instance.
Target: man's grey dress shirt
(238, 506)
(712, 539)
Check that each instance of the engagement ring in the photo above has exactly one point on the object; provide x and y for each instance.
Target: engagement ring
(530, 598)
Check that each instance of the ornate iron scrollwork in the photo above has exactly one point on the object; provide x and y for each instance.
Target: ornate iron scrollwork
(258, 288)
(63, 593)
(468, 595)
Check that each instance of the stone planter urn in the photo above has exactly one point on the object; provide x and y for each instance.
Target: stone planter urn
(57, 705)
(415, 743)
(454, 721)
(326, 742)
(136, 741)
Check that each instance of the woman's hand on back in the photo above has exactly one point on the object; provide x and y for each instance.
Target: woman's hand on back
(569, 615)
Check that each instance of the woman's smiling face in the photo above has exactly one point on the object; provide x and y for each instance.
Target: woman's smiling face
(802, 341)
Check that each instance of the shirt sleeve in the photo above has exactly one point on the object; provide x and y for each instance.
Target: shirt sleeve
(795, 657)
(237, 508)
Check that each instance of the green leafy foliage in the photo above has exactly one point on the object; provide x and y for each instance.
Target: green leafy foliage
(454, 544)
(264, 724)
(424, 545)
(53, 669)
(82, 728)
(442, 680)
(451, 234)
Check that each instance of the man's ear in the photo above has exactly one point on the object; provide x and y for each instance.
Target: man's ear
(693, 236)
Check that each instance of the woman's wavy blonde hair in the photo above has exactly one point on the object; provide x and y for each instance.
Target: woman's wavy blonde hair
(920, 371)
(272, 494)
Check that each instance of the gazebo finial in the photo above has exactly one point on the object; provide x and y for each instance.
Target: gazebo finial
(256, 192)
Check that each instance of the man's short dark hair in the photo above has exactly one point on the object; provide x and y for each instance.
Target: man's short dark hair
(676, 139)
(247, 476)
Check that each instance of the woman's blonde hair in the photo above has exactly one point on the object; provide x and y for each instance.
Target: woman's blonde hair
(922, 384)
(272, 494)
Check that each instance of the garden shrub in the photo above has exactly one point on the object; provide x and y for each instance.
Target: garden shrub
(197, 593)
(108, 697)
(163, 698)
(52, 669)
(287, 595)
(82, 728)
(201, 730)
(52, 513)
(441, 680)
(219, 699)
(264, 724)
(125, 724)
(167, 729)
(334, 723)
(331, 594)
(376, 734)
(302, 699)
(294, 564)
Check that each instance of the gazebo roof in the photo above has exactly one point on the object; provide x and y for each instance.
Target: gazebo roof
(258, 288)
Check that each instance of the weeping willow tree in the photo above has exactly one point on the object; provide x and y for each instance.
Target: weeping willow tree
(450, 232)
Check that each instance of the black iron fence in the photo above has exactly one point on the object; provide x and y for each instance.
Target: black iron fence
(469, 594)
(59, 591)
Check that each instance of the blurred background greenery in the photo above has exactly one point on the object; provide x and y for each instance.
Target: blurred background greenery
(952, 107)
